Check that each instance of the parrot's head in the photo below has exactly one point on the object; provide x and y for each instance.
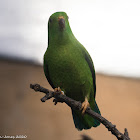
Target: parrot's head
(58, 21)
(58, 26)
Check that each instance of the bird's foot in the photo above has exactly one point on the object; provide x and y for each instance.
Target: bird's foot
(85, 104)
(59, 91)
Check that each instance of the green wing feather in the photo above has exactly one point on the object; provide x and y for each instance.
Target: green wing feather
(86, 122)
(46, 71)
(91, 66)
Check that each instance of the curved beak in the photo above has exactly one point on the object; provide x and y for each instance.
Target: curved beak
(61, 22)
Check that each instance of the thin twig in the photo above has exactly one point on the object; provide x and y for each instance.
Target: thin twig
(76, 105)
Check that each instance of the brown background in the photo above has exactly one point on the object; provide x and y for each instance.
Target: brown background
(22, 112)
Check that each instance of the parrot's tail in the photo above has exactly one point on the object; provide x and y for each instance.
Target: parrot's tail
(85, 121)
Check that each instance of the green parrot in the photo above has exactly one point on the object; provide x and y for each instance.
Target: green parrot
(68, 65)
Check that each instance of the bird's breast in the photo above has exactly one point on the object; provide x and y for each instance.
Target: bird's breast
(68, 70)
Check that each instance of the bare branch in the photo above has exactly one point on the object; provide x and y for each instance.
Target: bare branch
(76, 105)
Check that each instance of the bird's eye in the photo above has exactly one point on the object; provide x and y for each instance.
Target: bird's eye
(50, 20)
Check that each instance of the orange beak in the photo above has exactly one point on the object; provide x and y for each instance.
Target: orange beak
(61, 22)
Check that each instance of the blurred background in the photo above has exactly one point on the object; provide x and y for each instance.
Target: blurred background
(109, 30)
